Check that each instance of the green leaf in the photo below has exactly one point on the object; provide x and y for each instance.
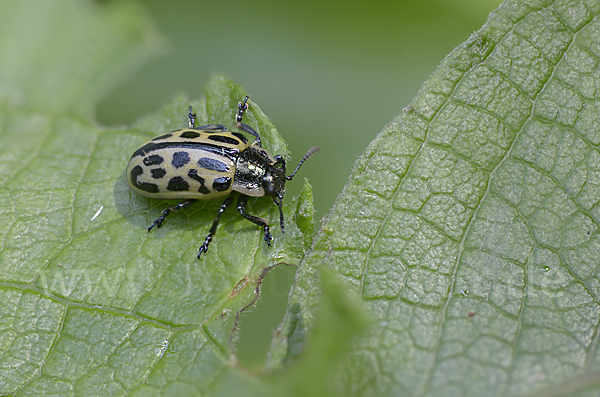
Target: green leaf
(340, 319)
(91, 302)
(61, 59)
(469, 227)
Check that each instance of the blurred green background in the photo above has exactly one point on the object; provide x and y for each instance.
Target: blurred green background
(328, 73)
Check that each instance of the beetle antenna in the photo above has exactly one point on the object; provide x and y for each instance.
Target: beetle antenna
(310, 152)
(279, 203)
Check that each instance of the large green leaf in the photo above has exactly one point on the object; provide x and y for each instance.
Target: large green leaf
(91, 302)
(469, 227)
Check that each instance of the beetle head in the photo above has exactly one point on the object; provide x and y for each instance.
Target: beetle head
(275, 179)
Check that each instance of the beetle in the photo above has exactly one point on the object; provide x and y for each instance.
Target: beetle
(210, 162)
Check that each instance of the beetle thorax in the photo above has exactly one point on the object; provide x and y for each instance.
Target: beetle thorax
(256, 175)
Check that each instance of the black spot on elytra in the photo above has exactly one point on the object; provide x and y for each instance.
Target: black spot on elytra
(221, 184)
(193, 173)
(180, 159)
(231, 153)
(163, 136)
(240, 136)
(189, 134)
(147, 187)
(213, 164)
(178, 184)
(157, 173)
(152, 160)
(224, 139)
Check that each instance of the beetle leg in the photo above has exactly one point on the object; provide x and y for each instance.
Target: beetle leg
(192, 119)
(279, 202)
(279, 160)
(167, 211)
(242, 107)
(249, 130)
(213, 228)
(241, 208)
(209, 127)
(212, 127)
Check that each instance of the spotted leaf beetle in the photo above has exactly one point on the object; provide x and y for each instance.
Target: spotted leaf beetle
(209, 162)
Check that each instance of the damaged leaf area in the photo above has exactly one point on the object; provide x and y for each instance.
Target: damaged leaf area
(469, 228)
